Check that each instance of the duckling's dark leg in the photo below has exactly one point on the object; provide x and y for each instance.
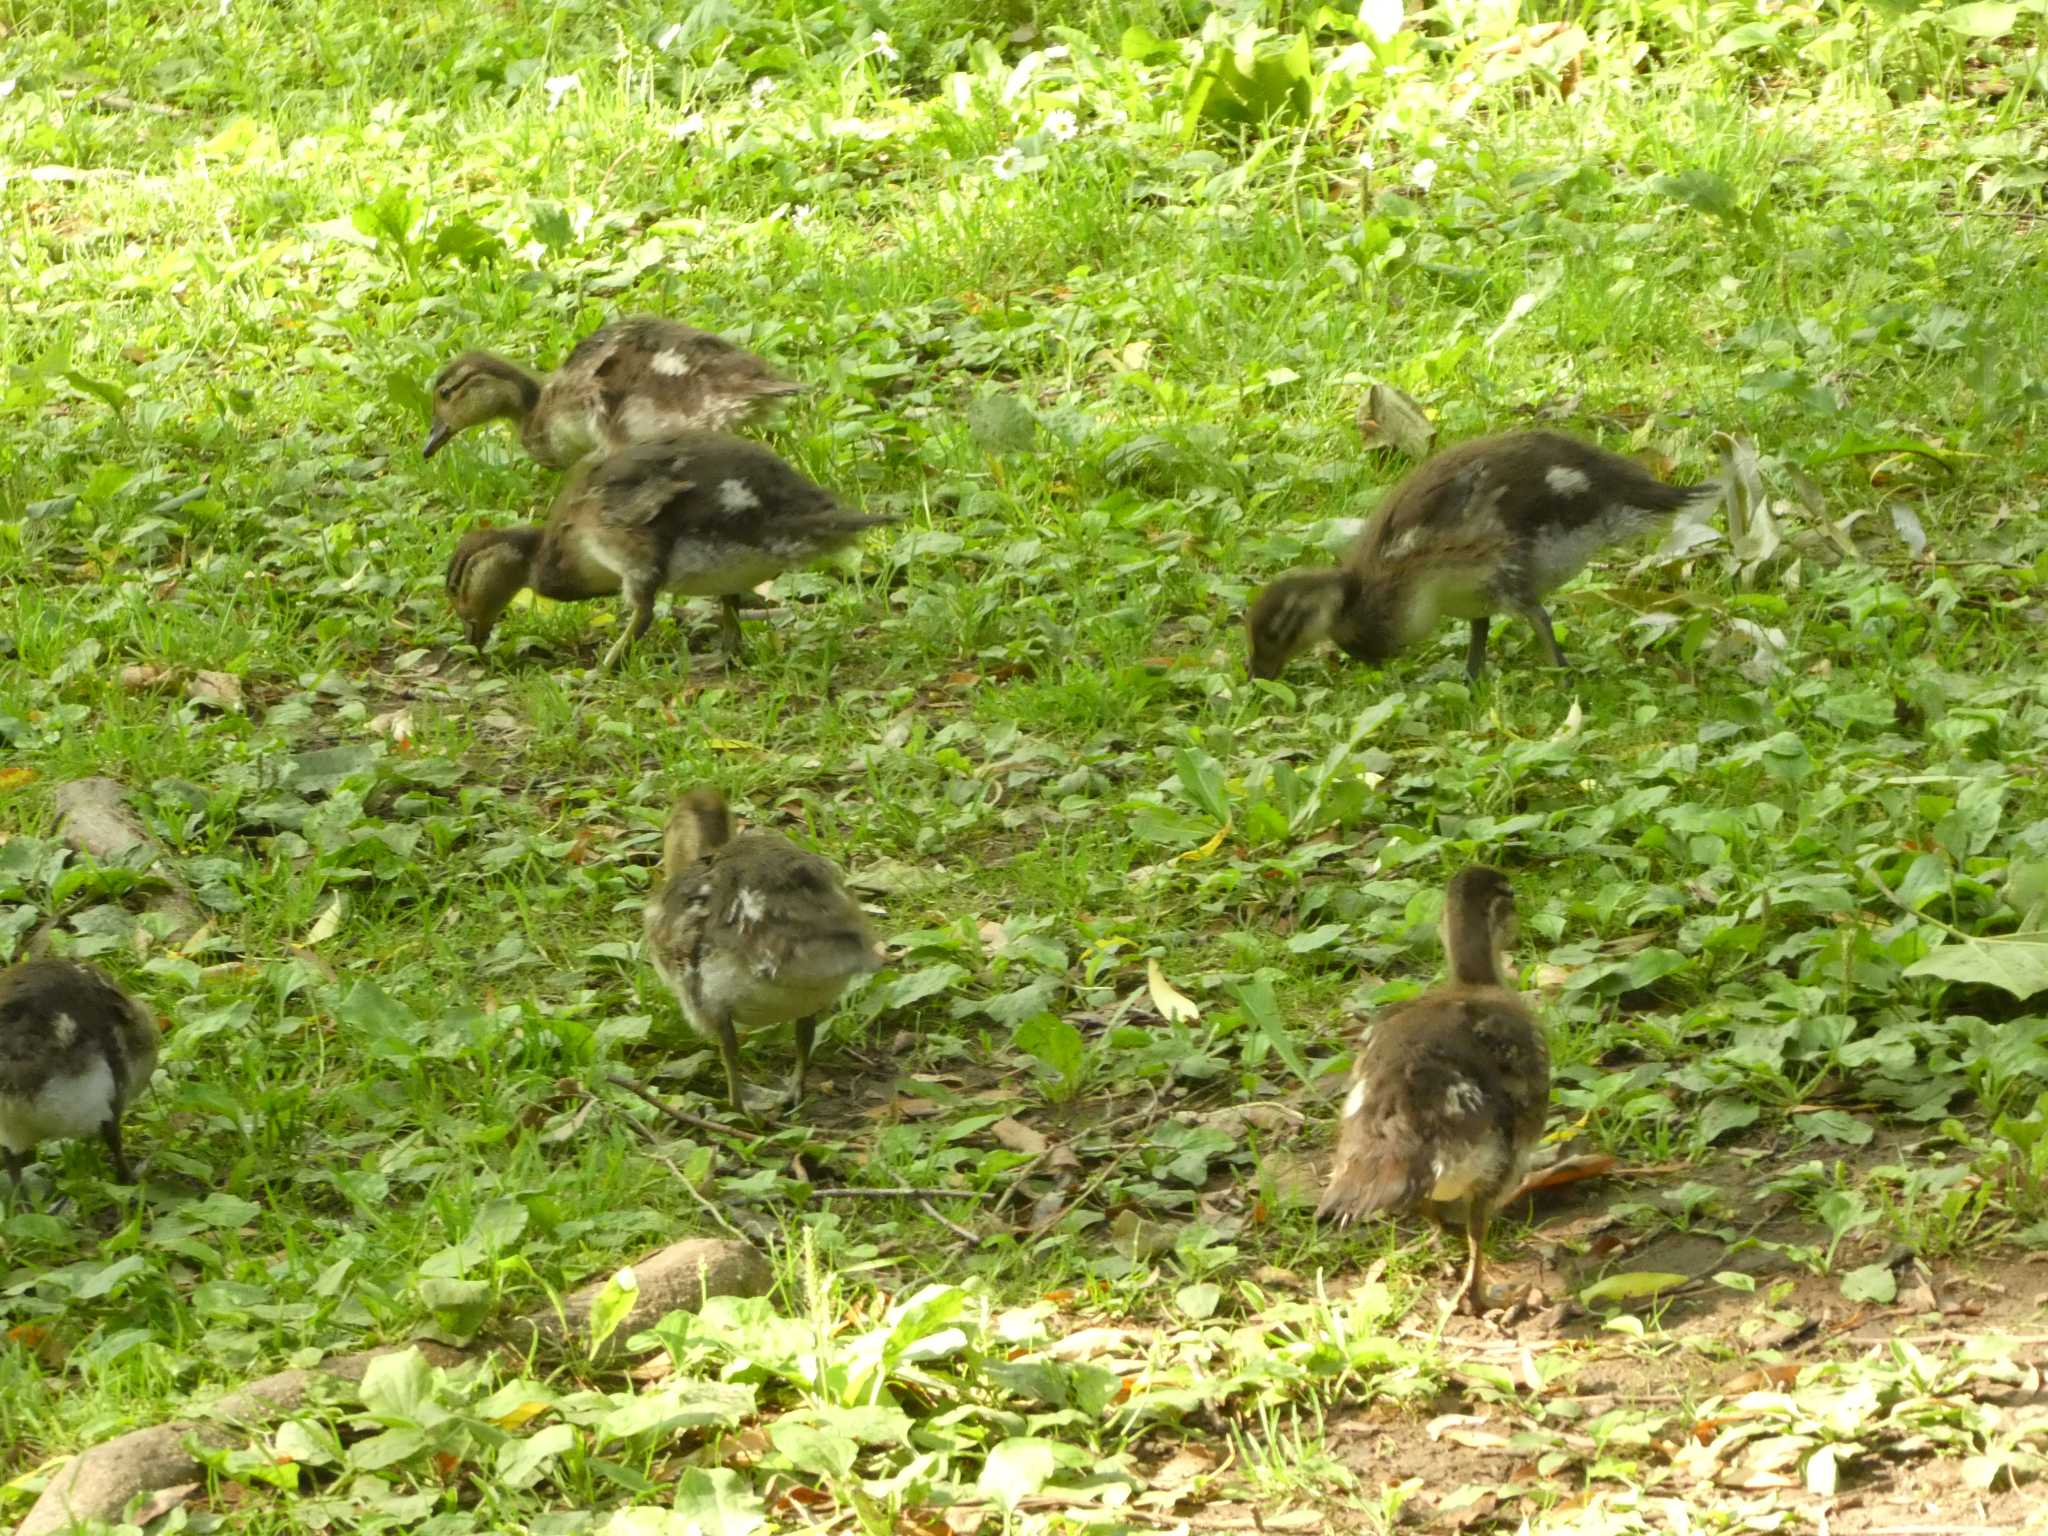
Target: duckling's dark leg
(13, 1162)
(1475, 653)
(1539, 621)
(111, 1133)
(806, 1037)
(1471, 1297)
(729, 633)
(729, 1053)
(638, 596)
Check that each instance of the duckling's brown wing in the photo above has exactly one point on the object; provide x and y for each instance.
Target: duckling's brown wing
(645, 375)
(57, 1019)
(1446, 1097)
(1516, 490)
(792, 911)
(707, 488)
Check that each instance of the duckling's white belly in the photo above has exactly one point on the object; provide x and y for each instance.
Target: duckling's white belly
(713, 568)
(1461, 592)
(727, 984)
(75, 1104)
(1459, 1170)
(1558, 554)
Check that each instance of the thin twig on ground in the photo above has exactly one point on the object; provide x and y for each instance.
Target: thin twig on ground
(681, 1116)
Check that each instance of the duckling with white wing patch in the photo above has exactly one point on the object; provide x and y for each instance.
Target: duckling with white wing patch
(1449, 1092)
(1489, 526)
(75, 1050)
(751, 931)
(635, 380)
(700, 514)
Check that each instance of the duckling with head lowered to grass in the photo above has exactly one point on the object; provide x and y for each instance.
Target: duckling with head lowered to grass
(632, 381)
(702, 513)
(74, 1051)
(1449, 1092)
(1489, 526)
(751, 931)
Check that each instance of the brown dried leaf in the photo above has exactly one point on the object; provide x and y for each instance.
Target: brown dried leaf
(1019, 1137)
(215, 690)
(1391, 419)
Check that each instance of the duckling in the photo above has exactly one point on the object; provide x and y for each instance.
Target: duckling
(74, 1050)
(751, 930)
(1449, 1092)
(631, 381)
(699, 513)
(1486, 527)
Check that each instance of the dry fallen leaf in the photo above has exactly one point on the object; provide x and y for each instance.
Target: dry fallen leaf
(1174, 1006)
(1566, 1170)
(1391, 419)
(327, 924)
(394, 723)
(1018, 1137)
(159, 1503)
(143, 675)
(215, 690)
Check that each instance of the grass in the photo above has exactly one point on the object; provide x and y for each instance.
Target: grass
(239, 245)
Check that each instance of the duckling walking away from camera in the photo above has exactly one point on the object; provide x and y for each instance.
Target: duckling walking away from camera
(632, 381)
(1486, 527)
(702, 513)
(1449, 1092)
(751, 931)
(74, 1050)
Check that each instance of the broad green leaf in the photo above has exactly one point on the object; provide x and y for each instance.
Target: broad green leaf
(1708, 191)
(1980, 20)
(1262, 1008)
(1198, 1302)
(916, 986)
(611, 1306)
(2018, 965)
(1873, 1282)
(397, 1389)
(1054, 1042)
(1017, 1469)
(813, 1449)
(523, 1462)
(1632, 1285)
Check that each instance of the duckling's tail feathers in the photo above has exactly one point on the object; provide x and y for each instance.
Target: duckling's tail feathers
(1367, 1179)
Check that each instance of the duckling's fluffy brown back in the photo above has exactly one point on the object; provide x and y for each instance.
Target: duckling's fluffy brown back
(642, 378)
(1446, 1099)
(758, 930)
(1556, 497)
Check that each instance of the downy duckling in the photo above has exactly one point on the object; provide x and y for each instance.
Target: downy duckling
(702, 513)
(1485, 527)
(1449, 1092)
(751, 931)
(74, 1050)
(632, 381)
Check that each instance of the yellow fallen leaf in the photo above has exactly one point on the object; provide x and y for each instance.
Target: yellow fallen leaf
(726, 744)
(327, 924)
(1174, 1005)
(520, 1415)
(14, 778)
(1206, 849)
